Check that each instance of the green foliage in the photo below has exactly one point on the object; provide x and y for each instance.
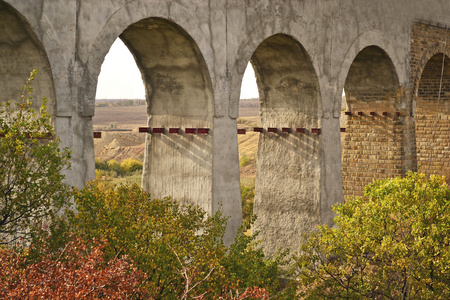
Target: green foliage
(131, 165)
(247, 199)
(100, 165)
(392, 243)
(179, 247)
(244, 160)
(31, 165)
(113, 168)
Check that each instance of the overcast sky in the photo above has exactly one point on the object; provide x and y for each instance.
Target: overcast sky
(121, 79)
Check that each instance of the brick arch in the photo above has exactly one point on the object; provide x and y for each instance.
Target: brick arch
(21, 52)
(373, 141)
(364, 40)
(432, 114)
(430, 51)
(290, 98)
(371, 78)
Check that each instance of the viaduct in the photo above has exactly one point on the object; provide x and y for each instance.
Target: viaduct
(390, 57)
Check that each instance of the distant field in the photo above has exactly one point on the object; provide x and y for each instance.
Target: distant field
(130, 117)
(124, 117)
(248, 112)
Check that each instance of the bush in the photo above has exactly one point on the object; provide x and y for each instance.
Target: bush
(112, 168)
(129, 166)
(179, 247)
(31, 165)
(244, 160)
(76, 271)
(101, 165)
(247, 199)
(392, 243)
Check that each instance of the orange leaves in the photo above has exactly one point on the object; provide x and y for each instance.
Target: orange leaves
(75, 272)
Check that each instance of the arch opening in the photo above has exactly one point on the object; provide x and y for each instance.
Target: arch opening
(248, 142)
(287, 185)
(432, 116)
(178, 93)
(20, 53)
(373, 140)
(119, 153)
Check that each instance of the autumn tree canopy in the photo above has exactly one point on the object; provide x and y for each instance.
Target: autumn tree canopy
(393, 243)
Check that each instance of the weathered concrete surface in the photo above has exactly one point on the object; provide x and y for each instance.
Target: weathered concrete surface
(20, 53)
(289, 98)
(193, 55)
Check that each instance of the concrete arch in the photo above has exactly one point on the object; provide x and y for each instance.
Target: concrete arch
(290, 97)
(364, 40)
(120, 20)
(195, 168)
(21, 51)
(179, 94)
(258, 35)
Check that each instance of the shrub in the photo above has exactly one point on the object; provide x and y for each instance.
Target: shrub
(179, 247)
(244, 160)
(114, 166)
(76, 271)
(31, 165)
(392, 243)
(129, 166)
(247, 199)
(101, 165)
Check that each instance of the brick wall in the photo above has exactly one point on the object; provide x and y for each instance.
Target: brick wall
(373, 145)
(431, 111)
(373, 141)
(416, 124)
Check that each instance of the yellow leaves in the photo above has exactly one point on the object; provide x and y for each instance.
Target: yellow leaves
(399, 231)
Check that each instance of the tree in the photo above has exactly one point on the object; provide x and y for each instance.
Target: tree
(179, 247)
(76, 271)
(31, 164)
(393, 243)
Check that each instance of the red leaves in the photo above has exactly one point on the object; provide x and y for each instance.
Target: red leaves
(76, 272)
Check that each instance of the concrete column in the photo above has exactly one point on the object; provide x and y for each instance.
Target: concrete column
(226, 182)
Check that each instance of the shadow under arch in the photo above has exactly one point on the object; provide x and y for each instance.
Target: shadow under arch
(179, 94)
(131, 13)
(373, 141)
(432, 116)
(363, 41)
(429, 53)
(288, 175)
(20, 52)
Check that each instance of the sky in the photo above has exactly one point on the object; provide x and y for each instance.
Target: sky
(120, 77)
